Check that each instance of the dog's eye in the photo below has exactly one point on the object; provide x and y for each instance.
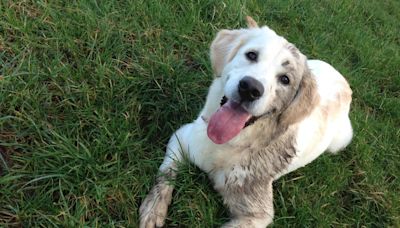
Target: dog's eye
(252, 56)
(284, 79)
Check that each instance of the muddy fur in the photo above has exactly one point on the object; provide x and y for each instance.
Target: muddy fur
(293, 123)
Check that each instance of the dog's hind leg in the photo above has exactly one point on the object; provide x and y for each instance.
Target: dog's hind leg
(153, 210)
(343, 135)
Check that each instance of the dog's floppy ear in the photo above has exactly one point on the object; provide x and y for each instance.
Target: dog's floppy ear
(251, 23)
(304, 101)
(224, 48)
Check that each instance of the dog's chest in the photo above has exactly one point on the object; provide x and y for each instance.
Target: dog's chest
(253, 165)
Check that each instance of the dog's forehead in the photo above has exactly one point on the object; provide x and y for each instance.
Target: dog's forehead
(265, 39)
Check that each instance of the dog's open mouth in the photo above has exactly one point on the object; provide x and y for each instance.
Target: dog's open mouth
(228, 121)
(249, 122)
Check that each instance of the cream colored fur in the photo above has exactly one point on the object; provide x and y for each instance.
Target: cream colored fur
(297, 124)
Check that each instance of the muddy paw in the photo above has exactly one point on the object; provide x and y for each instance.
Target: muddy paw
(153, 210)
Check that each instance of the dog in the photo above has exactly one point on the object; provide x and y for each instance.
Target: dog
(268, 111)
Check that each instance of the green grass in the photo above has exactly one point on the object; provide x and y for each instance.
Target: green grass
(90, 92)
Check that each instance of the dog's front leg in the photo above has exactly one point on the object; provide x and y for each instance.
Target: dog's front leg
(249, 222)
(153, 210)
(251, 208)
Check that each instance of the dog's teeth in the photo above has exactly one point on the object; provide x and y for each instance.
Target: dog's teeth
(223, 100)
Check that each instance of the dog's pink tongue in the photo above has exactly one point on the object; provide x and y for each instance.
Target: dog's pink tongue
(227, 122)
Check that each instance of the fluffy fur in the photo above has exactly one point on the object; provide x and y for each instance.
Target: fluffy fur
(295, 123)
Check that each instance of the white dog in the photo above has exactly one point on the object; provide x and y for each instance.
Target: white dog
(268, 112)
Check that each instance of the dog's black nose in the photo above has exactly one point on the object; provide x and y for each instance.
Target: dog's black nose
(250, 89)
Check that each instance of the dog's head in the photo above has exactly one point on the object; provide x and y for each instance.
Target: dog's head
(264, 75)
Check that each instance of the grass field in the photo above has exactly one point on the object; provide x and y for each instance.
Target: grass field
(90, 92)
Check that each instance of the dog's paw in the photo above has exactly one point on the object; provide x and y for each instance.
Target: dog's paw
(153, 210)
(236, 224)
(249, 222)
